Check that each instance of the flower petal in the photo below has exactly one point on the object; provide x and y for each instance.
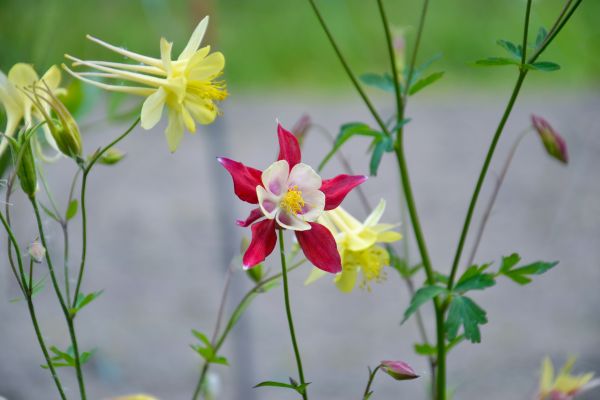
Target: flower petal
(22, 75)
(207, 67)
(375, 215)
(289, 148)
(303, 176)
(346, 281)
(319, 248)
(165, 54)
(315, 275)
(388, 237)
(337, 188)
(245, 179)
(262, 244)
(152, 108)
(269, 203)
(275, 177)
(290, 221)
(174, 131)
(195, 40)
(314, 202)
(254, 215)
(52, 77)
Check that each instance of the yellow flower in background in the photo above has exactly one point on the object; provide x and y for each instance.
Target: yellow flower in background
(187, 86)
(20, 108)
(358, 246)
(564, 386)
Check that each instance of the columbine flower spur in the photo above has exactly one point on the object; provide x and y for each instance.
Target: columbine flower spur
(187, 86)
(290, 195)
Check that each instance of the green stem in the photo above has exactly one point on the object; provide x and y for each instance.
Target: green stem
(31, 308)
(288, 312)
(413, 60)
(86, 172)
(392, 56)
(525, 32)
(63, 304)
(556, 28)
(370, 381)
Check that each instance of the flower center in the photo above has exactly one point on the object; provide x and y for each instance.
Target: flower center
(292, 201)
(371, 262)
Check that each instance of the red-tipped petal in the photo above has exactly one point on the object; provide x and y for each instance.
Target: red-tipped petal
(319, 247)
(245, 179)
(254, 215)
(289, 148)
(336, 189)
(262, 244)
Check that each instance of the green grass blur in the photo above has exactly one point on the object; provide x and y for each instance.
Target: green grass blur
(278, 44)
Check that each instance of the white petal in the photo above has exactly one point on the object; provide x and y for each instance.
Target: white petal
(269, 203)
(275, 177)
(195, 39)
(376, 214)
(152, 108)
(314, 204)
(305, 178)
(290, 221)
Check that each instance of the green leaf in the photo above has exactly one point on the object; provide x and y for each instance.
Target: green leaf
(49, 213)
(72, 209)
(382, 145)
(522, 275)
(111, 156)
(202, 337)
(512, 48)
(35, 289)
(84, 300)
(426, 349)
(438, 277)
(346, 132)
(298, 388)
(546, 66)
(464, 311)
(496, 61)
(508, 262)
(541, 35)
(423, 83)
(474, 279)
(219, 360)
(418, 72)
(206, 352)
(384, 82)
(422, 296)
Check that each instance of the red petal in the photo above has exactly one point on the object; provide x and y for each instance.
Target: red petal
(254, 215)
(262, 244)
(245, 179)
(336, 189)
(289, 148)
(319, 247)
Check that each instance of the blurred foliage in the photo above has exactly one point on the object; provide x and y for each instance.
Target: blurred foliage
(279, 43)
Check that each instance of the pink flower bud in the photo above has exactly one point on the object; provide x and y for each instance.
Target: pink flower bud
(555, 145)
(398, 370)
(37, 252)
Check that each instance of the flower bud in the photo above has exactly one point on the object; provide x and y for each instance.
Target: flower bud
(555, 145)
(111, 156)
(25, 166)
(398, 370)
(36, 251)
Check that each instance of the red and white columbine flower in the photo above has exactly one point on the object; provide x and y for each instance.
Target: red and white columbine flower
(290, 195)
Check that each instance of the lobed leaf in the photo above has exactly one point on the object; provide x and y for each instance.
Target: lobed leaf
(422, 296)
(423, 83)
(474, 278)
(466, 313)
(346, 132)
(384, 82)
(512, 48)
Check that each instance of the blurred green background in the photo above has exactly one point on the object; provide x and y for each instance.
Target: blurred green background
(278, 44)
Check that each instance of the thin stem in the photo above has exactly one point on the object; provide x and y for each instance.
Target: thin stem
(65, 230)
(492, 201)
(222, 305)
(413, 59)
(86, 172)
(47, 190)
(288, 312)
(560, 22)
(349, 72)
(525, 32)
(11, 260)
(63, 304)
(392, 56)
(370, 381)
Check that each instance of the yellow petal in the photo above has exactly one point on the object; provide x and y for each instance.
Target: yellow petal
(22, 75)
(135, 90)
(130, 54)
(165, 54)
(365, 239)
(202, 110)
(174, 131)
(206, 68)
(375, 215)
(152, 108)
(52, 77)
(388, 237)
(195, 40)
(344, 221)
(188, 120)
(547, 376)
(315, 275)
(346, 280)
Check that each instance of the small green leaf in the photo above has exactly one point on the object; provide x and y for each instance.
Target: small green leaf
(84, 300)
(522, 275)
(72, 209)
(464, 311)
(496, 61)
(512, 48)
(202, 337)
(384, 82)
(298, 388)
(219, 360)
(346, 132)
(422, 296)
(541, 35)
(475, 279)
(111, 156)
(425, 349)
(509, 261)
(423, 83)
(206, 352)
(49, 213)
(383, 145)
(546, 66)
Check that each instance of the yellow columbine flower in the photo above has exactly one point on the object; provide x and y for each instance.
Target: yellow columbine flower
(187, 86)
(357, 244)
(19, 106)
(565, 386)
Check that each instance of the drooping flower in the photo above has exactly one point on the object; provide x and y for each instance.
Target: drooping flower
(290, 195)
(398, 370)
(554, 143)
(187, 86)
(564, 386)
(19, 106)
(358, 246)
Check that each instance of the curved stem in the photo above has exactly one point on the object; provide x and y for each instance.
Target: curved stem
(86, 171)
(11, 261)
(366, 394)
(288, 312)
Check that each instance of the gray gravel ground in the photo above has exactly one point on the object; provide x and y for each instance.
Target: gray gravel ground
(156, 229)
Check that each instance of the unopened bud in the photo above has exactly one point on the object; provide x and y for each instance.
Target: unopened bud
(25, 166)
(398, 370)
(36, 251)
(555, 145)
(111, 156)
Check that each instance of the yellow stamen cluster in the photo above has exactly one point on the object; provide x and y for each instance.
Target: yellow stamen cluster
(292, 202)
(371, 261)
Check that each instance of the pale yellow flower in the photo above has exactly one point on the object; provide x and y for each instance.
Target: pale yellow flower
(564, 386)
(187, 86)
(19, 107)
(358, 246)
